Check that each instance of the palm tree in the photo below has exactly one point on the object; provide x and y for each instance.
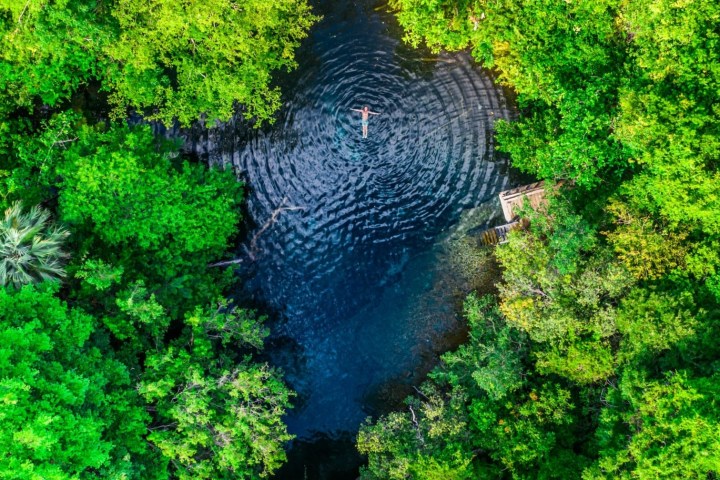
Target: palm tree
(30, 249)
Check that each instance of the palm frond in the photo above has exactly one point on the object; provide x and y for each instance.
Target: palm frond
(30, 247)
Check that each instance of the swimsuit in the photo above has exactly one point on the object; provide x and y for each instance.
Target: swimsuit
(365, 123)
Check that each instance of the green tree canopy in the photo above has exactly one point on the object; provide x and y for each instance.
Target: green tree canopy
(668, 429)
(123, 186)
(564, 59)
(131, 206)
(481, 413)
(67, 410)
(166, 59)
(217, 415)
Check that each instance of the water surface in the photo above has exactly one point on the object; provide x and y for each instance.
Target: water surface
(354, 270)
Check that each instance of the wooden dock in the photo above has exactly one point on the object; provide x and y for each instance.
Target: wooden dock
(511, 201)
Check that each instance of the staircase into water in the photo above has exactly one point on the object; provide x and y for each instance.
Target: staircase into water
(499, 235)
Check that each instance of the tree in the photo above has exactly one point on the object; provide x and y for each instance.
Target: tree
(668, 429)
(30, 248)
(647, 250)
(31, 164)
(130, 205)
(654, 320)
(564, 59)
(217, 415)
(562, 288)
(670, 123)
(124, 187)
(220, 53)
(68, 410)
(481, 413)
(167, 60)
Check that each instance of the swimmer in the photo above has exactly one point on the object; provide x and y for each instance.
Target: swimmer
(365, 116)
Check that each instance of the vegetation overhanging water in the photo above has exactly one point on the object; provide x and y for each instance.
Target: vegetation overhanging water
(597, 357)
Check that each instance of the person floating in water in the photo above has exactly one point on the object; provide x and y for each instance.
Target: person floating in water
(365, 116)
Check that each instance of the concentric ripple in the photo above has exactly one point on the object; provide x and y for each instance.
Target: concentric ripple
(344, 263)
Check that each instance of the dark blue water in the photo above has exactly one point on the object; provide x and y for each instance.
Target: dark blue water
(354, 271)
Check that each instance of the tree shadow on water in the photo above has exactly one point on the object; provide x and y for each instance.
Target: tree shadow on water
(324, 457)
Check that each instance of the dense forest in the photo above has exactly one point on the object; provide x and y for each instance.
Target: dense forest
(120, 357)
(598, 358)
(132, 365)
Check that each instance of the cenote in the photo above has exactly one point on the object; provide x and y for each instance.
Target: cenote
(355, 268)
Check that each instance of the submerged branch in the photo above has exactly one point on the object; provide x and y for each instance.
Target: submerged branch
(273, 218)
(253, 243)
(225, 263)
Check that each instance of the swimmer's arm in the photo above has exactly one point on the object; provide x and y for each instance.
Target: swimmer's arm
(374, 113)
(356, 110)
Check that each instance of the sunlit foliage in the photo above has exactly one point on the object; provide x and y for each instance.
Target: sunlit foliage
(149, 373)
(166, 59)
(461, 426)
(218, 415)
(615, 285)
(67, 409)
